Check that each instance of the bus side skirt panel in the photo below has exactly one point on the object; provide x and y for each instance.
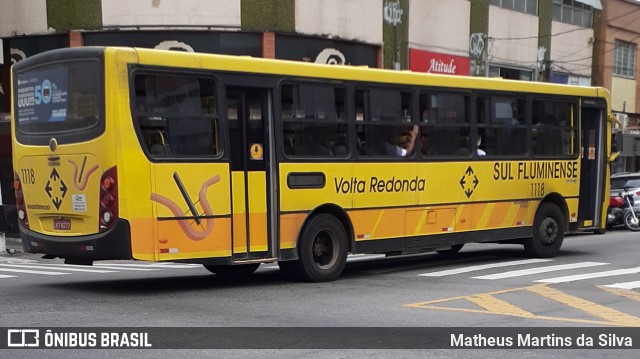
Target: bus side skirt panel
(439, 241)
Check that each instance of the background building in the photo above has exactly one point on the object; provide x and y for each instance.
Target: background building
(578, 42)
(616, 68)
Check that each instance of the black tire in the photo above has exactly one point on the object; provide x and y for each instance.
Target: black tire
(454, 249)
(548, 232)
(322, 251)
(628, 219)
(233, 271)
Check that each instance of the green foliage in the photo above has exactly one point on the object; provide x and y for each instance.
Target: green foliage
(268, 15)
(396, 38)
(479, 16)
(64, 15)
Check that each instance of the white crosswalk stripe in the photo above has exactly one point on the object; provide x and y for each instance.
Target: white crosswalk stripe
(530, 271)
(63, 267)
(148, 265)
(482, 267)
(625, 285)
(127, 268)
(572, 278)
(32, 267)
(15, 270)
(542, 269)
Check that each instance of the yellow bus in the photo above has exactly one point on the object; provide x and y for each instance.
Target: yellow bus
(230, 162)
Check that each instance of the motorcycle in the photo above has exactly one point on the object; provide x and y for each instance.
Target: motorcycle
(621, 212)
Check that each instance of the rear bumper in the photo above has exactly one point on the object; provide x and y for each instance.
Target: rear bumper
(113, 244)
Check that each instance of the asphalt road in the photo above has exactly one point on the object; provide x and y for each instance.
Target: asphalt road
(593, 283)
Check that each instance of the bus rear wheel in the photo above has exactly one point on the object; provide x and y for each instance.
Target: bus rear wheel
(548, 232)
(322, 251)
(232, 271)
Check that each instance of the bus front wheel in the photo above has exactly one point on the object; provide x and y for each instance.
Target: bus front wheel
(548, 232)
(322, 251)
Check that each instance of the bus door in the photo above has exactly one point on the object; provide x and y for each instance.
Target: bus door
(593, 162)
(249, 114)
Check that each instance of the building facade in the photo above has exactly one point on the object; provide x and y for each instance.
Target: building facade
(580, 42)
(616, 68)
(535, 40)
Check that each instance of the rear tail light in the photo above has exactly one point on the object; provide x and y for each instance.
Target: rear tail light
(20, 205)
(108, 199)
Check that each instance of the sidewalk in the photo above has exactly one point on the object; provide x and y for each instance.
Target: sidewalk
(14, 244)
(15, 250)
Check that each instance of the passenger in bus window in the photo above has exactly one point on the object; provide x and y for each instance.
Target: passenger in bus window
(481, 152)
(407, 150)
(427, 116)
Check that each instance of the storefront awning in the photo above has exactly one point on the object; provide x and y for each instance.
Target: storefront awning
(596, 4)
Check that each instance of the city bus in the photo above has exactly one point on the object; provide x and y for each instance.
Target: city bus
(231, 162)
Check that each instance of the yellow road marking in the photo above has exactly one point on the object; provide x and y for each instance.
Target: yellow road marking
(623, 293)
(595, 309)
(493, 305)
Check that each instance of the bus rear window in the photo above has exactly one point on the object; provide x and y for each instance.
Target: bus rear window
(61, 97)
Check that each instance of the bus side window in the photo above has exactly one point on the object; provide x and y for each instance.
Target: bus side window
(444, 124)
(177, 115)
(313, 120)
(553, 131)
(158, 146)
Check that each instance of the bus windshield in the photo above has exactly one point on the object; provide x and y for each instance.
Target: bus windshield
(58, 98)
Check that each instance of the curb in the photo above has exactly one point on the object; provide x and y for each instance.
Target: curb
(13, 247)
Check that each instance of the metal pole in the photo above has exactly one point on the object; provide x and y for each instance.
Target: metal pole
(3, 239)
(3, 244)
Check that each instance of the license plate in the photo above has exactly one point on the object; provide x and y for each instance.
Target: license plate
(61, 224)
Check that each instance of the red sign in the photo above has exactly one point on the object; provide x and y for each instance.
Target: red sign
(433, 62)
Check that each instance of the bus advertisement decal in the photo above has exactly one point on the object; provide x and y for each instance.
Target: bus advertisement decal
(81, 179)
(191, 232)
(379, 185)
(506, 171)
(56, 189)
(469, 182)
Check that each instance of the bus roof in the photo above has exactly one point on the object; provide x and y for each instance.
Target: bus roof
(299, 69)
(355, 73)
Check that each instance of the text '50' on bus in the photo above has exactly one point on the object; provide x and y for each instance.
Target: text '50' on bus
(230, 162)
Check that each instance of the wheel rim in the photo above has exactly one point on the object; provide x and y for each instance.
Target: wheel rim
(630, 221)
(548, 231)
(325, 249)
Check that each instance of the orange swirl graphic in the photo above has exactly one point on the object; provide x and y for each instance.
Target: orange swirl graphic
(80, 186)
(192, 233)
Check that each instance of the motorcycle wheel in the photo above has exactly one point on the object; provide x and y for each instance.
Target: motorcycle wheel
(628, 222)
